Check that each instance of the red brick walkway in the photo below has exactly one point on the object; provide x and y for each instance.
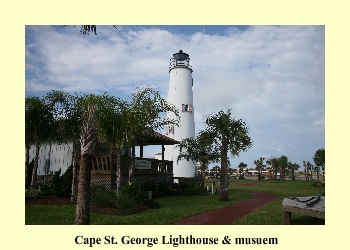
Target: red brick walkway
(227, 215)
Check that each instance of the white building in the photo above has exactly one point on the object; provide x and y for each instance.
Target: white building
(180, 94)
(52, 157)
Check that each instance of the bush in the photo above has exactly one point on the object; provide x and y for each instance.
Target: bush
(127, 204)
(100, 196)
(62, 185)
(190, 189)
(164, 189)
(33, 193)
(30, 173)
(139, 192)
(136, 192)
(55, 186)
(44, 189)
(65, 182)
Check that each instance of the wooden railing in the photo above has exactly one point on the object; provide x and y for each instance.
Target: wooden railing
(102, 163)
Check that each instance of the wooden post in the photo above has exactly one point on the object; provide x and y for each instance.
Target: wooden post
(286, 218)
(163, 149)
(141, 150)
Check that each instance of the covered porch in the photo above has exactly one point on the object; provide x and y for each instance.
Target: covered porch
(146, 169)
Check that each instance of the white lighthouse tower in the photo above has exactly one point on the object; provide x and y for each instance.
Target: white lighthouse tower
(181, 96)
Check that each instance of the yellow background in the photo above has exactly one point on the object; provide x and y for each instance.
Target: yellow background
(15, 15)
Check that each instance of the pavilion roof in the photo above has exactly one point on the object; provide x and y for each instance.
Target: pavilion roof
(155, 138)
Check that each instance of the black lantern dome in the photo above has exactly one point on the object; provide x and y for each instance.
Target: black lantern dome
(180, 59)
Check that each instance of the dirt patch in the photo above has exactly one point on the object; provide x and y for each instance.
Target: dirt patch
(55, 200)
(50, 200)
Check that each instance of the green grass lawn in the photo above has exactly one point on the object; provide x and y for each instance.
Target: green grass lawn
(176, 208)
(171, 210)
(271, 214)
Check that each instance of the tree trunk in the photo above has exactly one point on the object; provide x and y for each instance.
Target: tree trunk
(87, 140)
(223, 176)
(35, 168)
(82, 216)
(201, 185)
(131, 166)
(74, 171)
(27, 166)
(118, 173)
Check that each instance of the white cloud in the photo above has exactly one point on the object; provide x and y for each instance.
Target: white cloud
(269, 75)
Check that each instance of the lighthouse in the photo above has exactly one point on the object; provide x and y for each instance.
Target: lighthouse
(180, 94)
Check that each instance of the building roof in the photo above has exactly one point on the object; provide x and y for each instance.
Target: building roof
(155, 138)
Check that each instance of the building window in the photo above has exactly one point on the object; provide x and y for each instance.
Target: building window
(187, 108)
(169, 129)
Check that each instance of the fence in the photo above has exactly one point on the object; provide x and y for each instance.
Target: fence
(104, 173)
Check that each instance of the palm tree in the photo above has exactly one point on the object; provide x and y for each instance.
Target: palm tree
(259, 166)
(39, 127)
(230, 171)
(216, 169)
(283, 164)
(227, 134)
(111, 124)
(292, 167)
(198, 150)
(68, 116)
(309, 168)
(305, 170)
(241, 167)
(87, 140)
(319, 160)
(273, 162)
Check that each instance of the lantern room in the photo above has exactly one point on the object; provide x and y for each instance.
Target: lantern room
(180, 59)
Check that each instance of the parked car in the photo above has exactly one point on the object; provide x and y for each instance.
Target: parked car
(213, 176)
(241, 176)
(234, 176)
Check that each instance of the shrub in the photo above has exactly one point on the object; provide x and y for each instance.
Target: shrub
(33, 193)
(190, 189)
(100, 196)
(139, 192)
(55, 186)
(44, 189)
(30, 173)
(164, 189)
(136, 192)
(127, 204)
(65, 182)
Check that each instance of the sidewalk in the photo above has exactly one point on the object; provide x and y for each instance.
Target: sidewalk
(227, 215)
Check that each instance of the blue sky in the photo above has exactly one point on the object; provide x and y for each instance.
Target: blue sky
(272, 77)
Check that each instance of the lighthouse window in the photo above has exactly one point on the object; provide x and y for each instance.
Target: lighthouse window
(186, 108)
(169, 129)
